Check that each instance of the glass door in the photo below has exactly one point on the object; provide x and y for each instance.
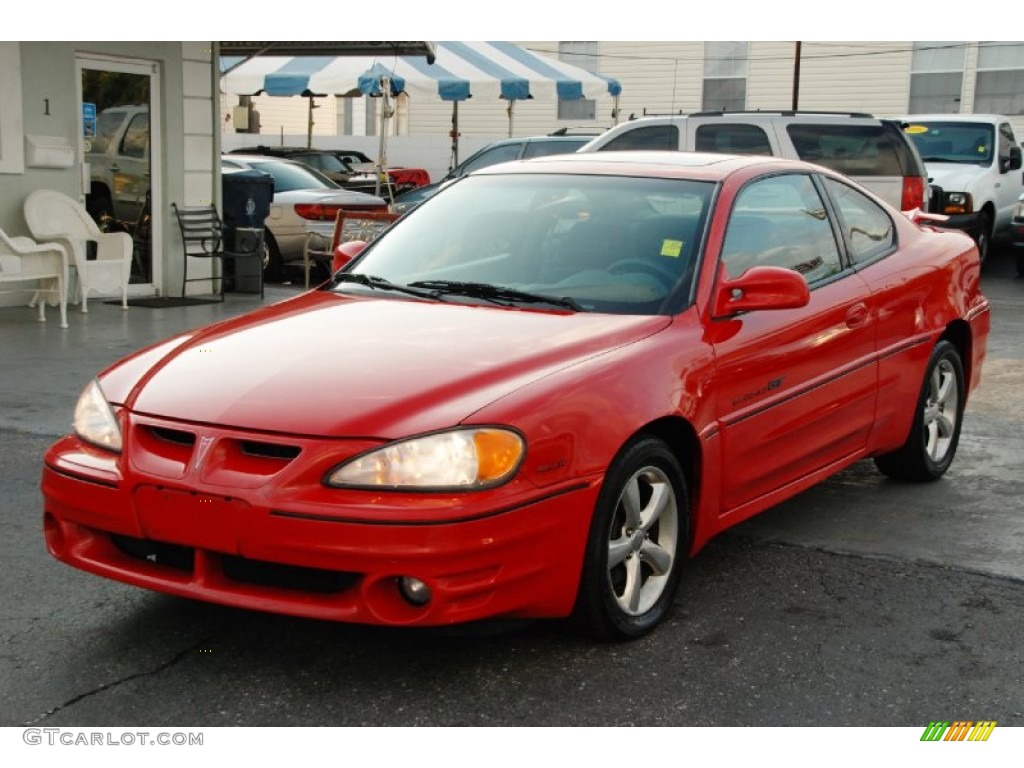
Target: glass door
(121, 151)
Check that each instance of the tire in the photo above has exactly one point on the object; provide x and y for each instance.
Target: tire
(638, 534)
(273, 269)
(931, 445)
(101, 209)
(1020, 264)
(984, 238)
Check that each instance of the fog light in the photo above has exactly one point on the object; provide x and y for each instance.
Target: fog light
(414, 590)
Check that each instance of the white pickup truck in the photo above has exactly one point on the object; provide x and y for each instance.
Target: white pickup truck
(974, 169)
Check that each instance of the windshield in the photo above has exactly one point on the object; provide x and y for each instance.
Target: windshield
(953, 142)
(292, 176)
(592, 243)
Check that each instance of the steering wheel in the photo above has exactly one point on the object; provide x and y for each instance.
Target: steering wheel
(647, 267)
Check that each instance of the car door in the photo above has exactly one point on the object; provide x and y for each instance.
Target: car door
(795, 388)
(131, 169)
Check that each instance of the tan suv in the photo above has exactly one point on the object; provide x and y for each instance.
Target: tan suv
(871, 150)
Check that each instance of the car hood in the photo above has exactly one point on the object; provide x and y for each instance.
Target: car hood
(324, 364)
(953, 177)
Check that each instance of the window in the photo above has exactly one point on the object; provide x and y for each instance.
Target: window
(867, 228)
(725, 76)
(584, 55)
(500, 154)
(1000, 73)
(781, 221)
(856, 150)
(936, 77)
(136, 138)
(543, 148)
(648, 137)
(736, 139)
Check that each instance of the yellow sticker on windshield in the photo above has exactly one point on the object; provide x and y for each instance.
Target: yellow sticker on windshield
(916, 129)
(671, 248)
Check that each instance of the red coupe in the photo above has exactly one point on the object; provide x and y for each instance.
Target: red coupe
(534, 396)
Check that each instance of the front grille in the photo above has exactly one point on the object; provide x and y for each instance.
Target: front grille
(935, 200)
(239, 569)
(267, 574)
(176, 436)
(158, 552)
(270, 450)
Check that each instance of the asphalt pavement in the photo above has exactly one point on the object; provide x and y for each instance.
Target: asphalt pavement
(859, 602)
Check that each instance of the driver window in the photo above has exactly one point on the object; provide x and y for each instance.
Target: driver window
(781, 221)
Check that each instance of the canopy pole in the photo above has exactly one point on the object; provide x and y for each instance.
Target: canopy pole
(386, 112)
(615, 109)
(455, 136)
(511, 109)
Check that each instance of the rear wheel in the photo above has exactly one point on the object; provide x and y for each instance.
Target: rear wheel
(637, 538)
(931, 445)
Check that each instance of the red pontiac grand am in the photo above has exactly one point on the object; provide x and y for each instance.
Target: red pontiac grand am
(534, 396)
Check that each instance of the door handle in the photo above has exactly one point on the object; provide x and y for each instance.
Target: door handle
(857, 315)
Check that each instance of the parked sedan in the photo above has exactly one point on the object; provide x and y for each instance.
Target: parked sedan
(501, 151)
(350, 168)
(305, 202)
(535, 395)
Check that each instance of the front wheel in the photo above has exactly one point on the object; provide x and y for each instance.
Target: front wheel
(931, 445)
(637, 538)
(984, 238)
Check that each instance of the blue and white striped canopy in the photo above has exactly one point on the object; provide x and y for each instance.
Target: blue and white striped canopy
(482, 70)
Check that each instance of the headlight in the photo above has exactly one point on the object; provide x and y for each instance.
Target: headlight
(462, 459)
(95, 421)
(957, 202)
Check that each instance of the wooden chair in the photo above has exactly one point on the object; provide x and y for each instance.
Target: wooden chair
(203, 237)
(348, 226)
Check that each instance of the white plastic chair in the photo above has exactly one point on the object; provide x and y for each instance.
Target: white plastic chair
(54, 217)
(24, 260)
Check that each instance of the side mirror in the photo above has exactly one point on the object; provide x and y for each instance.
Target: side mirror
(1011, 162)
(345, 252)
(760, 288)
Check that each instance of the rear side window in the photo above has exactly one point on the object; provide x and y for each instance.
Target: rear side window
(856, 150)
(733, 139)
(645, 137)
(867, 228)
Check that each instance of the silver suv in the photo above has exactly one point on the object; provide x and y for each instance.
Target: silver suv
(873, 151)
(118, 157)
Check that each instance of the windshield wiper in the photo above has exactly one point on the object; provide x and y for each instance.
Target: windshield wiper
(495, 293)
(380, 284)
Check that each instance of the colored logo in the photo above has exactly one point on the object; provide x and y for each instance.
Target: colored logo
(960, 730)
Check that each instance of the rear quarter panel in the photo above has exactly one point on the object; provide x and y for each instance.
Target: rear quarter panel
(927, 290)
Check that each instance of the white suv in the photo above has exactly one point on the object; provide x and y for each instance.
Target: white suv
(871, 150)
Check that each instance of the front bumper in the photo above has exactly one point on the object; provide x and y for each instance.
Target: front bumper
(267, 544)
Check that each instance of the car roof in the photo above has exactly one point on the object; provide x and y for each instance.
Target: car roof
(695, 165)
